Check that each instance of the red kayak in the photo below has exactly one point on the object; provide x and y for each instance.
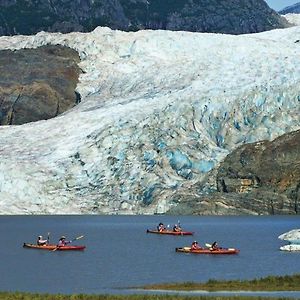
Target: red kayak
(170, 232)
(53, 247)
(208, 251)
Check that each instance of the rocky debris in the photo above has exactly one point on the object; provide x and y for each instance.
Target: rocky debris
(235, 16)
(37, 84)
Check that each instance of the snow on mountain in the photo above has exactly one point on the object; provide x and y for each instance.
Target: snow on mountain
(159, 111)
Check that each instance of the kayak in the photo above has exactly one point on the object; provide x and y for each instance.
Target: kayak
(170, 232)
(53, 247)
(208, 251)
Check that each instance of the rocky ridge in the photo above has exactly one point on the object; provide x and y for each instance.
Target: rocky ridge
(160, 110)
(235, 16)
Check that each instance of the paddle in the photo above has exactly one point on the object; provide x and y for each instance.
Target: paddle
(210, 246)
(75, 239)
(179, 226)
(187, 248)
(78, 238)
(48, 238)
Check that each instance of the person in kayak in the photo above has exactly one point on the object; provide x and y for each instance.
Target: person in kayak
(214, 246)
(195, 246)
(161, 227)
(63, 242)
(40, 241)
(177, 228)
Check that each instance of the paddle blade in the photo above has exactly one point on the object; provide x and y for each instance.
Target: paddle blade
(78, 238)
(208, 245)
(187, 248)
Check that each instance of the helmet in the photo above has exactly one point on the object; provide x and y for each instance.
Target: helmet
(195, 242)
(40, 237)
(62, 237)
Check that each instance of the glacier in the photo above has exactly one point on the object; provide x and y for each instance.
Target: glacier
(160, 110)
(293, 19)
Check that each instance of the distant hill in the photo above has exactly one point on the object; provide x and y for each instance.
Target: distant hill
(292, 9)
(234, 17)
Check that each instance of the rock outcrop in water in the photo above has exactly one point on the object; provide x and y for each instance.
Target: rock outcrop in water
(236, 16)
(160, 111)
(37, 84)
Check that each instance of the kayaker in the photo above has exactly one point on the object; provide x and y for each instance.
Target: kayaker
(161, 227)
(40, 241)
(214, 246)
(177, 228)
(195, 246)
(62, 242)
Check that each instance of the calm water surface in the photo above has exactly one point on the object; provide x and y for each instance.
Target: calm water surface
(120, 254)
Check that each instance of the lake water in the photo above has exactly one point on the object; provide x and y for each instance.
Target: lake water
(120, 254)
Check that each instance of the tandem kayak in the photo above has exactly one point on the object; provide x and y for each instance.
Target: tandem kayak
(53, 247)
(208, 251)
(170, 232)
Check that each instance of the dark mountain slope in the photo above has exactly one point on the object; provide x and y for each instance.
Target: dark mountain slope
(222, 16)
(292, 9)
